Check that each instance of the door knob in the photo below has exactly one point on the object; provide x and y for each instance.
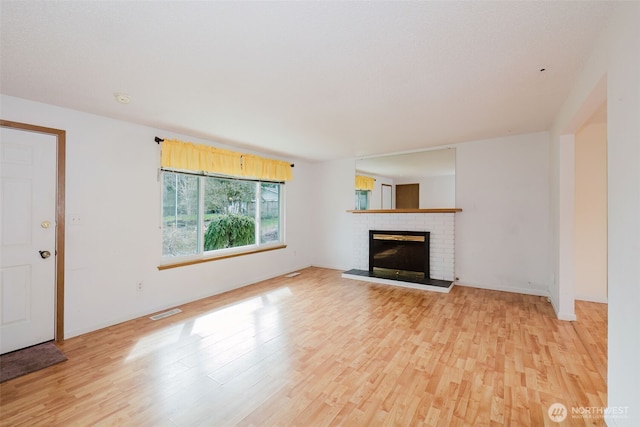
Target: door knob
(45, 254)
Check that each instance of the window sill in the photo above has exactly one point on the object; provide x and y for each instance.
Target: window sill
(219, 257)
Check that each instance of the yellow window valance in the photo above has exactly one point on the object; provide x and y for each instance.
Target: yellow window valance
(364, 182)
(204, 158)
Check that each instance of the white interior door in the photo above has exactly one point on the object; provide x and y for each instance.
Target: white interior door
(386, 196)
(27, 216)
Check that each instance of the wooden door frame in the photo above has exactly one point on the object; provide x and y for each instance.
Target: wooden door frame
(61, 141)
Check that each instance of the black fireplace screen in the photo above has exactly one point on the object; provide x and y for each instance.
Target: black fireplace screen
(399, 251)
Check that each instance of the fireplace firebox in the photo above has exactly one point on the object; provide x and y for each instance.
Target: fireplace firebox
(400, 258)
(399, 253)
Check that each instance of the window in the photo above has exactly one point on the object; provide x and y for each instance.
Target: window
(362, 199)
(203, 214)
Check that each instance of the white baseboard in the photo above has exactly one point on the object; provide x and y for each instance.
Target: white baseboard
(525, 291)
(331, 267)
(569, 317)
(158, 308)
(592, 299)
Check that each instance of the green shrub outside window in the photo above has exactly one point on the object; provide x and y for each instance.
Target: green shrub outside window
(202, 214)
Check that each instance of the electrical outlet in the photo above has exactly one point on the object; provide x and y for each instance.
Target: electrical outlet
(139, 286)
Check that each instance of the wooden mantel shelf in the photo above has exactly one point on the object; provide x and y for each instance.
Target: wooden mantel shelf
(399, 211)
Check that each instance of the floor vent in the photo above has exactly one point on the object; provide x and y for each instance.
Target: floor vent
(292, 274)
(166, 314)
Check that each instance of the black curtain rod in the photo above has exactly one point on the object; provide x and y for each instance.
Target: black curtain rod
(159, 140)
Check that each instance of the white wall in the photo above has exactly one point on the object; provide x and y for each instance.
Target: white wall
(112, 185)
(563, 303)
(502, 234)
(624, 212)
(333, 191)
(615, 55)
(591, 212)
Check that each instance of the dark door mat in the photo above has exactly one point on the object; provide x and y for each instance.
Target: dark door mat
(30, 359)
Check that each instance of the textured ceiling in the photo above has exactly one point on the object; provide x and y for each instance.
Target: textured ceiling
(314, 80)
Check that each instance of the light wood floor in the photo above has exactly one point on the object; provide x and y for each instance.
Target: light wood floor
(318, 350)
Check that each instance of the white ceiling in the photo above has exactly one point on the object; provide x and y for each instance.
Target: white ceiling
(314, 80)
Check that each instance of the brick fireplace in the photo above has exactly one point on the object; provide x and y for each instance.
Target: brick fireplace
(440, 225)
